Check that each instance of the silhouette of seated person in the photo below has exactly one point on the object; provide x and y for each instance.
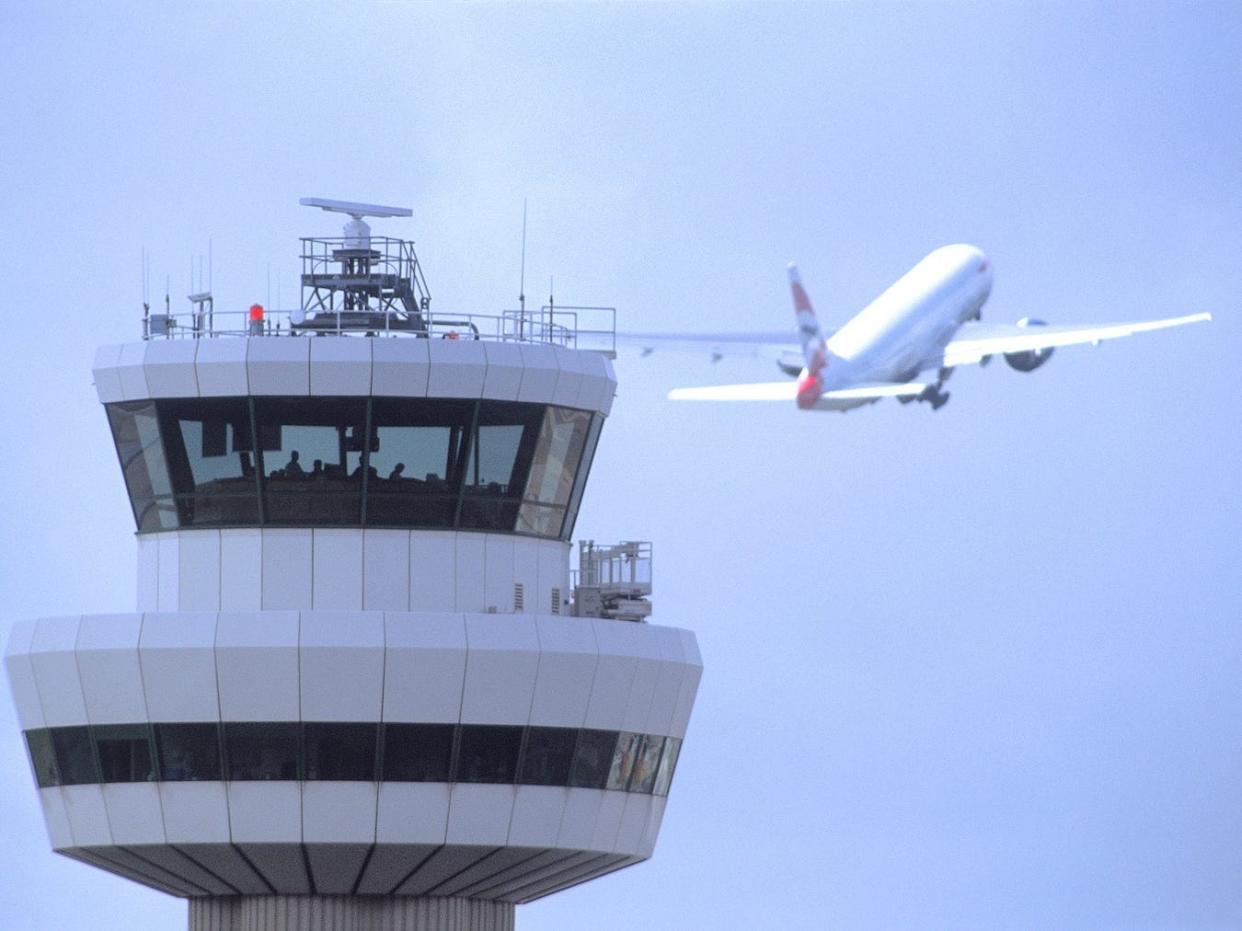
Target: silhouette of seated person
(317, 469)
(396, 472)
(371, 472)
(293, 468)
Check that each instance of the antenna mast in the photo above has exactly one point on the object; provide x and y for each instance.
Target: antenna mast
(522, 286)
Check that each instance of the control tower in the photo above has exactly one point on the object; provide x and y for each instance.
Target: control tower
(360, 688)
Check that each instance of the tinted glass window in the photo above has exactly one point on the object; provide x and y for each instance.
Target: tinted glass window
(210, 451)
(580, 478)
(548, 755)
(561, 440)
(340, 751)
(668, 763)
(623, 760)
(262, 751)
(417, 455)
(488, 753)
(499, 463)
(311, 455)
(188, 752)
(125, 752)
(647, 761)
(42, 758)
(418, 752)
(75, 758)
(593, 759)
(136, 431)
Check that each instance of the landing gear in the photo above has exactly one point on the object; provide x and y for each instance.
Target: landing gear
(934, 396)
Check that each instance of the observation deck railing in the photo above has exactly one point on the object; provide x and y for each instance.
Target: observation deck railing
(613, 581)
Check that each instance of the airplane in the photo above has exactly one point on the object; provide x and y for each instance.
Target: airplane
(904, 344)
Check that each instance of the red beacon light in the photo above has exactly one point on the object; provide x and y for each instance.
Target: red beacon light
(256, 319)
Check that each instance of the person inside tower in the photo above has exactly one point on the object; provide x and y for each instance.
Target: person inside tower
(317, 469)
(293, 468)
(396, 472)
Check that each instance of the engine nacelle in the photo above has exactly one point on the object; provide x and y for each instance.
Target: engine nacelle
(1032, 359)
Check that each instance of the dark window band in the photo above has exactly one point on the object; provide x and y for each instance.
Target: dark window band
(442, 463)
(332, 751)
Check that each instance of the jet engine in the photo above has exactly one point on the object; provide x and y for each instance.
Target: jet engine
(1032, 359)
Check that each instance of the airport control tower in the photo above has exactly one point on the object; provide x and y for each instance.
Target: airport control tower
(360, 688)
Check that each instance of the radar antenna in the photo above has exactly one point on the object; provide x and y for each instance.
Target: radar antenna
(357, 231)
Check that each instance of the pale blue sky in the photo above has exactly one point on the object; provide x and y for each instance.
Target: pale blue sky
(970, 669)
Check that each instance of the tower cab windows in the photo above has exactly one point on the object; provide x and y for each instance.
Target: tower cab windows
(498, 466)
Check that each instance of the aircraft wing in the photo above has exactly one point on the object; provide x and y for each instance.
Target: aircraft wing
(977, 341)
(788, 391)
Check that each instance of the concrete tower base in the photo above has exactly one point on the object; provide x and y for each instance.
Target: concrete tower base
(348, 913)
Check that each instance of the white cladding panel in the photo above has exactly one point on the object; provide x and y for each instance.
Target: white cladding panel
(148, 572)
(634, 823)
(134, 812)
(342, 665)
(195, 812)
(501, 665)
(400, 368)
(498, 590)
(287, 569)
(265, 812)
(646, 648)
(52, 801)
(278, 365)
(651, 830)
(132, 371)
(167, 595)
(198, 564)
(553, 575)
(458, 367)
(569, 384)
(170, 368)
(56, 670)
(107, 374)
(577, 829)
(605, 406)
(433, 571)
(337, 570)
(614, 676)
(340, 367)
(480, 814)
(177, 654)
(567, 657)
(107, 655)
(22, 675)
(504, 371)
(537, 814)
(88, 816)
(665, 695)
(257, 666)
(469, 571)
(608, 821)
(691, 675)
(221, 368)
(354, 366)
(241, 570)
(338, 812)
(412, 813)
(385, 570)
(425, 667)
(540, 370)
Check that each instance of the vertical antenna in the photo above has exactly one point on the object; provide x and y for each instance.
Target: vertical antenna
(269, 286)
(522, 287)
(209, 265)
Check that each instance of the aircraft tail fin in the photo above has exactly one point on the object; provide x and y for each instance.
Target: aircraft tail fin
(814, 346)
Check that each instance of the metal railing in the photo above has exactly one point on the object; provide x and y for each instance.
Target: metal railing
(592, 328)
(613, 581)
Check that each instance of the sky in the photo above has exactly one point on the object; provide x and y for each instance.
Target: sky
(975, 668)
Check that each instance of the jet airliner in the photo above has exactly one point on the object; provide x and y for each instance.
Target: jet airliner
(907, 342)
